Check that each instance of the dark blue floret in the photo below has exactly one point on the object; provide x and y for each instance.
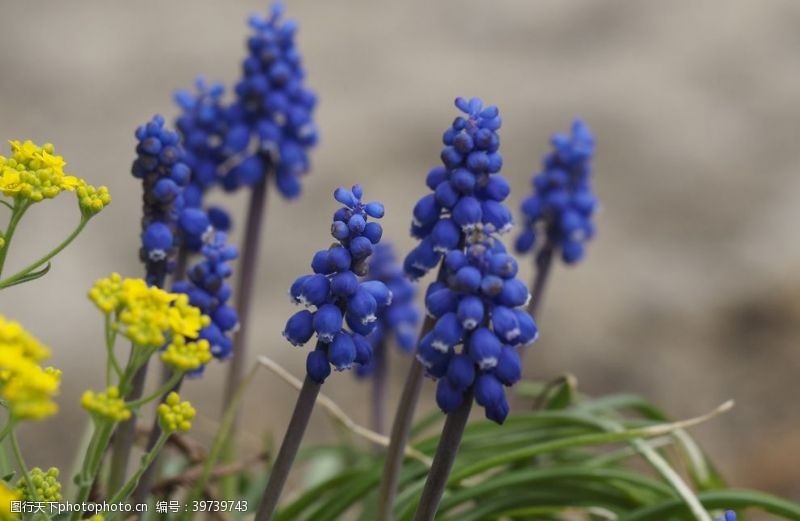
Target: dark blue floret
(345, 309)
(559, 213)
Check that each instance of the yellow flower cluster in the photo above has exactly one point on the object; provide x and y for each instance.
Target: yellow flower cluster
(175, 415)
(92, 199)
(34, 173)
(147, 315)
(107, 405)
(186, 356)
(7, 495)
(27, 387)
(46, 484)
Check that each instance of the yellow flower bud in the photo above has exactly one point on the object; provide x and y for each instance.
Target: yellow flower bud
(186, 356)
(47, 487)
(7, 495)
(106, 405)
(175, 415)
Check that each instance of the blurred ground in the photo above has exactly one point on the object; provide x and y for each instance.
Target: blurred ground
(690, 294)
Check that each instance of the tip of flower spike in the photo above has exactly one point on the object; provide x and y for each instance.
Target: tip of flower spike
(175, 415)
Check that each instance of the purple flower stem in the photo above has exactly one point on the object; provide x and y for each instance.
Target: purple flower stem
(446, 452)
(403, 419)
(544, 261)
(244, 299)
(289, 447)
(379, 387)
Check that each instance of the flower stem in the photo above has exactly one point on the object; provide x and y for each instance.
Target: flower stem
(16, 214)
(23, 469)
(443, 460)
(544, 261)
(244, 299)
(401, 426)
(379, 387)
(166, 387)
(147, 460)
(91, 462)
(288, 450)
(26, 270)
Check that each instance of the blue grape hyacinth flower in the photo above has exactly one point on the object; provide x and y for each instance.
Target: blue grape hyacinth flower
(467, 191)
(343, 306)
(397, 322)
(559, 212)
(730, 515)
(481, 323)
(207, 288)
(160, 165)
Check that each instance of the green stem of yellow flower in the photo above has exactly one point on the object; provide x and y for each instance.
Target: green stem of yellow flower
(147, 460)
(6, 430)
(92, 461)
(26, 270)
(111, 358)
(17, 211)
(164, 389)
(23, 469)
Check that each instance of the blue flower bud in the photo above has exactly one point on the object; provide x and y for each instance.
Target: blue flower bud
(509, 366)
(488, 389)
(373, 231)
(194, 221)
(484, 348)
(527, 328)
(314, 291)
(525, 241)
(497, 411)
(470, 312)
(362, 306)
(468, 279)
(339, 258)
(504, 323)
(327, 322)
(497, 188)
(440, 302)
(157, 241)
(448, 397)
(503, 265)
(379, 291)
(299, 328)
(320, 263)
(463, 143)
(374, 209)
(317, 366)
(491, 285)
(342, 352)
(467, 213)
(496, 216)
(426, 211)
(237, 138)
(297, 287)
(344, 284)
(251, 170)
(514, 293)
(463, 180)
(357, 325)
(455, 260)
(345, 196)
(447, 332)
(340, 230)
(445, 235)
(357, 223)
(226, 318)
(165, 190)
(363, 350)
(450, 157)
(446, 195)
(360, 248)
(220, 219)
(461, 371)
(424, 257)
(435, 177)
(430, 357)
(571, 251)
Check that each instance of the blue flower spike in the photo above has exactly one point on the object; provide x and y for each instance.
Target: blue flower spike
(467, 190)
(344, 307)
(559, 213)
(398, 319)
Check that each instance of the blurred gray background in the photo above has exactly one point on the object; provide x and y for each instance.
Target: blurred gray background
(690, 295)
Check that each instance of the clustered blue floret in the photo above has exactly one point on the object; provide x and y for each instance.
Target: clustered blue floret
(336, 293)
(208, 290)
(480, 306)
(730, 515)
(559, 212)
(268, 127)
(160, 165)
(467, 190)
(398, 321)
